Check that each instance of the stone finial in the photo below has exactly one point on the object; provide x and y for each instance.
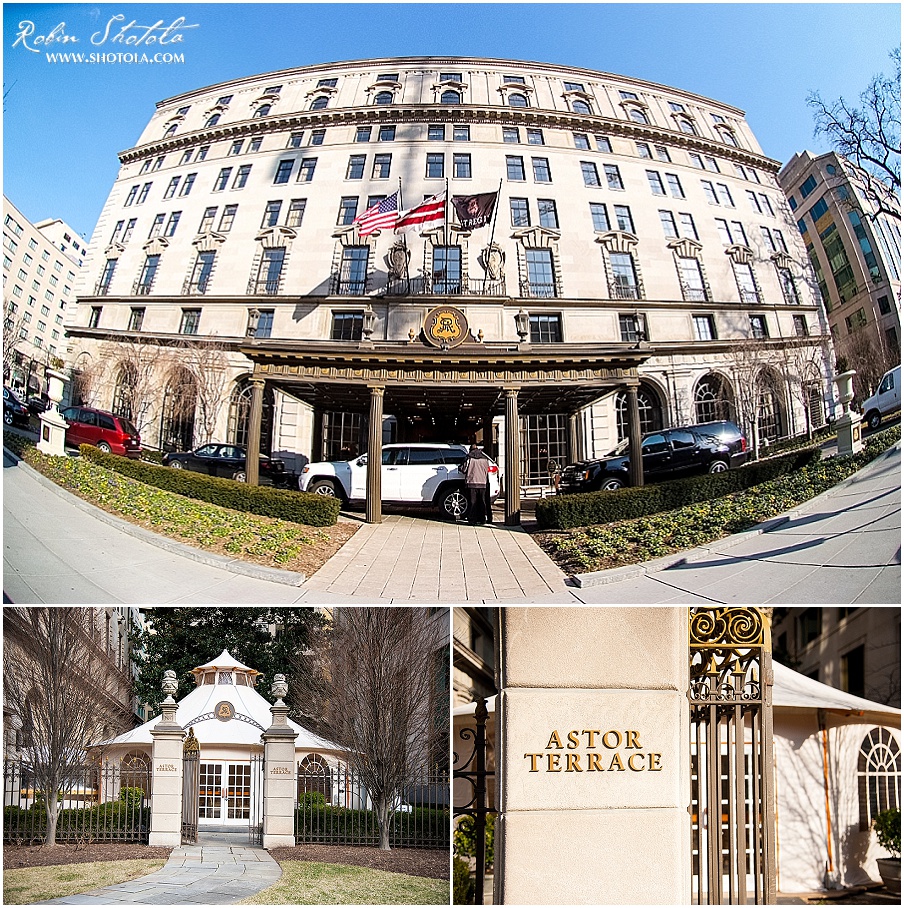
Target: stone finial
(279, 688)
(170, 684)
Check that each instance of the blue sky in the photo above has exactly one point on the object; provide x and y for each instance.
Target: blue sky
(64, 124)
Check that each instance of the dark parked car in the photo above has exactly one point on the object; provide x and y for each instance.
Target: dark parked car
(668, 454)
(37, 404)
(15, 413)
(106, 431)
(227, 461)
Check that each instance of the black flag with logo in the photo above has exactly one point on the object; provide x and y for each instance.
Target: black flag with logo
(474, 211)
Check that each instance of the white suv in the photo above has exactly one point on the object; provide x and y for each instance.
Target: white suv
(415, 474)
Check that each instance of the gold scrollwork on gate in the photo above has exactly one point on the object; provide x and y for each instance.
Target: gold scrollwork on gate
(191, 743)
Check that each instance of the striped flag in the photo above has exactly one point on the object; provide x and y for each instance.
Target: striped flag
(430, 211)
(382, 214)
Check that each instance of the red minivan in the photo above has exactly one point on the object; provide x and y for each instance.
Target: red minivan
(110, 433)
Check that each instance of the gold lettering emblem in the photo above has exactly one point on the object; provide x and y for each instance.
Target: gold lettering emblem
(445, 327)
(224, 711)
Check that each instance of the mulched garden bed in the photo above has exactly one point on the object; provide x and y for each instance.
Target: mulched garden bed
(41, 856)
(413, 861)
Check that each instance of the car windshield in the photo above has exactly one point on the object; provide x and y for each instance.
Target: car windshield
(127, 426)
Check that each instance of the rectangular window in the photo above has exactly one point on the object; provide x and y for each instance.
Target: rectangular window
(808, 185)
(271, 214)
(270, 271)
(144, 193)
(191, 320)
(93, 318)
(691, 276)
(201, 274)
(632, 327)
(296, 212)
(655, 182)
(696, 160)
(667, 219)
(780, 240)
(263, 325)
(581, 141)
(306, 170)
(540, 277)
(535, 137)
(546, 329)
(187, 185)
(347, 326)
(800, 326)
(514, 168)
(600, 216)
(542, 173)
(754, 204)
(603, 144)
(712, 164)
(704, 328)
(382, 166)
(136, 318)
(236, 147)
(613, 177)
(386, 134)
(767, 205)
(746, 282)
(623, 218)
(624, 277)
(228, 218)
(355, 169)
(222, 180)
(461, 166)
(348, 210)
(758, 327)
(207, 220)
(107, 276)
(148, 273)
(436, 132)
(461, 133)
(172, 223)
(170, 190)
(643, 150)
(520, 212)
(663, 154)
(156, 226)
(591, 176)
(362, 134)
(710, 192)
(686, 226)
(436, 166)
(295, 140)
(767, 237)
(353, 270)
(674, 186)
(202, 153)
(738, 232)
(548, 215)
(317, 137)
(446, 273)
(511, 135)
(284, 170)
(724, 195)
(724, 231)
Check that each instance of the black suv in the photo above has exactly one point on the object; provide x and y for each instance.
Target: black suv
(669, 454)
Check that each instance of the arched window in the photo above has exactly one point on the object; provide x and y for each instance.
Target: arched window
(770, 412)
(124, 392)
(878, 775)
(713, 399)
(314, 775)
(177, 421)
(212, 121)
(638, 115)
(171, 131)
(262, 111)
(581, 107)
(135, 772)
(516, 99)
(687, 126)
(450, 97)
(727, 136)
(648, 407)
(240, 412)
(320, 103)
(383, 97)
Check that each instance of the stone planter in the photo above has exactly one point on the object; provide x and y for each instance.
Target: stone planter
(890, 871)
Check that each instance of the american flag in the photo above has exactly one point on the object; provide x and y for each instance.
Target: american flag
(430, 211)
(382, 214)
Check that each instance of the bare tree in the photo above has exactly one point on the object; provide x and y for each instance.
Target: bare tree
(63, 691)
(372, 688)
(869, 135)
(13, 323)
(869, 355)
(206, 361)
(802, 373)
(85, 378)
(751, 360)
(137, 393)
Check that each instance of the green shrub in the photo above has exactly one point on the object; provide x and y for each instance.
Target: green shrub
(325, 825)
(152, 456)
(888, 830)
(589, 508)
(296, 507)
(462, 884)
(309, 799)
(464, 839)
(132, 797)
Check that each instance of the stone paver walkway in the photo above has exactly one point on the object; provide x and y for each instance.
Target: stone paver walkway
(216, 871)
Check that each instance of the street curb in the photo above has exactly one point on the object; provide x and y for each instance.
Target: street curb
(717, 547)
(233, 565)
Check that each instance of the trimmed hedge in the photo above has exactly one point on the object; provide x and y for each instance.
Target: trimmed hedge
(297, 507)
(422, 827)
(583, 509)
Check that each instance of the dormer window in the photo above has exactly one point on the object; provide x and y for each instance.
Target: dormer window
(273, 89)
(450, 77)
(327, 83)
(388, 77)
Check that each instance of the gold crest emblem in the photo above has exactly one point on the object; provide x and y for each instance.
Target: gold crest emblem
(224, 711)
(445, 326)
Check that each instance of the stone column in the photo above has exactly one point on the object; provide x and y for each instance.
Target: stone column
(279, 772)
(253, 450)
(634, 444)
(166, 799)
(374, 504)
(593, 754)
(512, 460)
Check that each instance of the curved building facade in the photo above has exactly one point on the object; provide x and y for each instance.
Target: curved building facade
(640, 268)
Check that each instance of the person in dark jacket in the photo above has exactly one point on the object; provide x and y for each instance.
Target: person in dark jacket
(476, 469)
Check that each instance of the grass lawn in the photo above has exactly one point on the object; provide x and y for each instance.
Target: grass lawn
(314, 883)
(25, 885)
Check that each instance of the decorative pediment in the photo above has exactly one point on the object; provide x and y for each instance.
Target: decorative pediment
(274, 237)
(156, 246)
(685, 247)
(515, 86)
(348, 236)
(114, 250)
(617, 241)
(739, 253)
(628, 103)
(208, 242)
(384, 84)
(450, 83)
(322, 90)
(537, 237)
(577, 93)
(782, 260)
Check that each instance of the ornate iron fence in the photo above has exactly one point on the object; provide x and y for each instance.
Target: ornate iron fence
(98, 802)
(732, 797)
(473, 771)
(334, 808)
(190, 787)
(256, 805)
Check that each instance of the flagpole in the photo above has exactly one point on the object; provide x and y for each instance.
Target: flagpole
(446, 215)
(493, 228)
(404, 242)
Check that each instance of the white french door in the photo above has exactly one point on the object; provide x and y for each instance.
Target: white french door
(224, 793)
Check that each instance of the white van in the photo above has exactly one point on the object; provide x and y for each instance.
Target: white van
(886, 400)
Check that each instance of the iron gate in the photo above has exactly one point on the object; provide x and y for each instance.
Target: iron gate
(475, 774)
(732, 796)
(190, 787)
(256, 805)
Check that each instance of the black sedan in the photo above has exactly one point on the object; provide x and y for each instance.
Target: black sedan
(227, 461)
(15, 413)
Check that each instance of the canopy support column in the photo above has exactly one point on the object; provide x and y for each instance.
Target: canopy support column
(374, 506)
(512, 460)
(253, 450)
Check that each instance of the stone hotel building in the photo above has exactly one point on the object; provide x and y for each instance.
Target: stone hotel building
(642, 268)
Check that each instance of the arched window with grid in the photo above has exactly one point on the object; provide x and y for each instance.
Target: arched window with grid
(878, 775)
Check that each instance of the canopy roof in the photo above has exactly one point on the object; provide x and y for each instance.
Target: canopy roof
(226, 662)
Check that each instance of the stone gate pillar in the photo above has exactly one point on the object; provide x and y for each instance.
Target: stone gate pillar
(593, 741)
(280, 792)
(166, 768)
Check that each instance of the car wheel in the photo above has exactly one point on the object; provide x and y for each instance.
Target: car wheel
(874, 420)
(718, 466)
(177, 465)
(612, 485)
(7, 417)
(240, 476)
(323, 487)
(454, 504)
(103, 446)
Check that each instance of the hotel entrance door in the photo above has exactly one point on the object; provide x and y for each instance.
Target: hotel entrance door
(224, 793)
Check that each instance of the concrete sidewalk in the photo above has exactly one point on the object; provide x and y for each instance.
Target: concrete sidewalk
(219, 870)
